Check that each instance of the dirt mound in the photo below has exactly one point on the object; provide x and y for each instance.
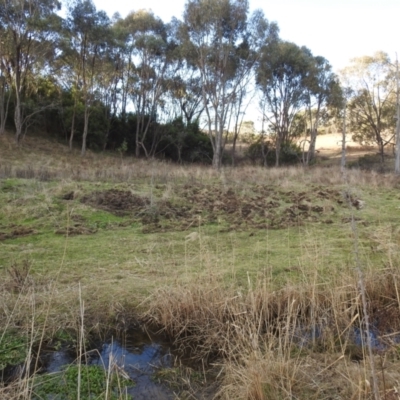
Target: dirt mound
(257, 207)
(75, 230)
(17, 231)
(118, 202)
(158, 215)
(261, 206)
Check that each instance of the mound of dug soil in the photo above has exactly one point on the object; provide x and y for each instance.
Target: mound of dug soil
(262, 206)
(18, 231)
(118, 202)
(259, 207)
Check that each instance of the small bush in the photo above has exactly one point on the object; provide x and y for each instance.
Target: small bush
(290, 153)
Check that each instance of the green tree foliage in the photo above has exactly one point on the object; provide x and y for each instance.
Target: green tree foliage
(147, 86)
(281, 78)
(371, 103)
(262, 152)
(322, 90)
(5, 88)
(146, 37)
(185, 90)
(29, 30)
(222, 41)
(295, 85)
(87, 31)
(185, 142)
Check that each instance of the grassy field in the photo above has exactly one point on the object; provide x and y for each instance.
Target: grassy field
(258, 274)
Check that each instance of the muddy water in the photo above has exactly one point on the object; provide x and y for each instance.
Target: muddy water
(138, 356)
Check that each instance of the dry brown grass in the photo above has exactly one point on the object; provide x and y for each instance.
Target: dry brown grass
(297, 342)
(38, 158)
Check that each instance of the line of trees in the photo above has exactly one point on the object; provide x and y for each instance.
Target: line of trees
(141, 85)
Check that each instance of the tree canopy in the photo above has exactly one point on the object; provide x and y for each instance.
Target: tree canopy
(141, 84)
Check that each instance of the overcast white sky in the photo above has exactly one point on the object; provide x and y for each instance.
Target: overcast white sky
(335, 29)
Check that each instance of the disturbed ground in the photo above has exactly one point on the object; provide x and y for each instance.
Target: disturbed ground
(259, 207)
(231, 209)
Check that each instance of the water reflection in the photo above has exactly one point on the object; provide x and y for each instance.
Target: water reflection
(137, 358)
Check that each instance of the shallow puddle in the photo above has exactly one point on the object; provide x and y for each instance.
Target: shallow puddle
(306, 336)
(136, 356)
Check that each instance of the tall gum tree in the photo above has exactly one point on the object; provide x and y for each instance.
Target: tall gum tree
(148, 50)
(371, 106)
(281, 78)
(322, 89)
(88, 33)
(5, 92)
(222, 41)
(28, 32)
(185, 88)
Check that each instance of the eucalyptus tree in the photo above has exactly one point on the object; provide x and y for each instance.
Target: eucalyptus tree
(372, 102)
(87, 33)
(322, 88)
(5, 92)
(281, 78)
(148, 49)
(222, 41)
(111, 82)
(185, 91)
(29, 29)
(5, 96)
(123, 56)
(185, 86)
(242, 99)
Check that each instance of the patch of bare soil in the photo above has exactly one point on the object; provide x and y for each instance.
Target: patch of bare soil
(260, 207)
(118, 202)
(150, 214)
(264, 207)
(16, 232)
(75, 230)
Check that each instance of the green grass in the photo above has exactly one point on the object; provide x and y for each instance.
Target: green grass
(114, 245)
(13, 348)
(212, 249)
(64, 385)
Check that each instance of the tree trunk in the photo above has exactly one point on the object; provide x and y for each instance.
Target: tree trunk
(264, 154)
(277, 151)
(143, 138)
(217, 157)
(397, 162)
(343, 159)
(311, 148)
(234, 150)
(137, 142)
(71, 136)
(216, 163)
(85, 130)
(18, 117)
(381, 150)
(3, 106)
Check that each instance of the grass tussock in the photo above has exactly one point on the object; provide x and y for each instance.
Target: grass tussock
(297, 342)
